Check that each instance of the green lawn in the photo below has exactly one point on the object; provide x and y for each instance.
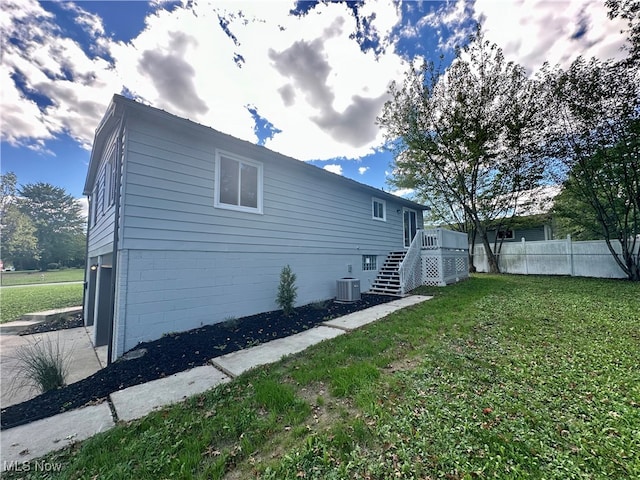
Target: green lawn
(51, 276)
(15, 302)
(497, 377)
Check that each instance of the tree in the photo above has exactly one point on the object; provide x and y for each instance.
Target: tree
(57, 219)
(19, 241)
(595, 133)
(287, 290)
(8, 190)
(573, 216)
(628, 10)
(469, 136)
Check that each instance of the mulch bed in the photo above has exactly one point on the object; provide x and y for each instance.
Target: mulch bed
(177, 352)
(67, 321)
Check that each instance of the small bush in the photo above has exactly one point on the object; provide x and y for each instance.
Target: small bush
(42, 365)
(287, 290)
(53, 266)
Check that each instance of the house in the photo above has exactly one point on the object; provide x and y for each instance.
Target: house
(532, 221)
(189, 226)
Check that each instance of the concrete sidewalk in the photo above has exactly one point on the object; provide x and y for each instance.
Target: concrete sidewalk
(74, 344)
(35, 439)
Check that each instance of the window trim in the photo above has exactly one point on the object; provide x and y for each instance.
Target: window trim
(242, 160)
(384, 209)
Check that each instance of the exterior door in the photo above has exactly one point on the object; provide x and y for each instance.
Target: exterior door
(410, 223)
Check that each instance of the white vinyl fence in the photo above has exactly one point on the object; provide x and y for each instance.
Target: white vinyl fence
(554, 257)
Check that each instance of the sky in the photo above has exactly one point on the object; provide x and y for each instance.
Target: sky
(306, 79)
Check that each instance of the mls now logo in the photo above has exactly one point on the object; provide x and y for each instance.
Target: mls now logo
(42, 466)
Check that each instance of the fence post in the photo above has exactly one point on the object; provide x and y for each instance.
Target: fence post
(570, 254)
(524, 254)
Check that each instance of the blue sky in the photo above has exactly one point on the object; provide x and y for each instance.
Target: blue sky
(306, 79)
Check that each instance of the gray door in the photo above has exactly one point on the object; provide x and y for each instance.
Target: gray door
(103, 321)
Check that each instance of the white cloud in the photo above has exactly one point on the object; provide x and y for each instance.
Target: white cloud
(333, 168)
(84, 205)
(307, 75)
(403, 192)
(362, 170)
(531, 32)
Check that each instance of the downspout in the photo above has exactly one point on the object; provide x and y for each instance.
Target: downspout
(116, 226)
(86, 260)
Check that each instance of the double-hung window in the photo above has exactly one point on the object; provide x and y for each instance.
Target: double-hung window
(379, 209)
(238, 183)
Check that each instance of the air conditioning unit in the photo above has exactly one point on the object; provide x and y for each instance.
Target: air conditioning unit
(348, 290)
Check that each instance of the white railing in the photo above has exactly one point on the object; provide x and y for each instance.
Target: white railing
(435, 257)
(409, 270)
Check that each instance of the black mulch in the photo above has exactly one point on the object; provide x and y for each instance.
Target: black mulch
(177, 352)
(67, 321)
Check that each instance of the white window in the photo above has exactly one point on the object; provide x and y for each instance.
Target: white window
(238, 183)
(112, 178)
(379, 208)
(369, 262)
(100, 192)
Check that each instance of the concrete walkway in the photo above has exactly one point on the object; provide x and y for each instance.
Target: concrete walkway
(38, 438)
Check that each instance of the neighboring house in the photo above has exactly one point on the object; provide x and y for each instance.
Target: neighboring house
(533, 220)
(531, 228)
(189, 226)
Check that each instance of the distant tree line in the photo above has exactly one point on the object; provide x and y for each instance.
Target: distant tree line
(474, 139)
(42, 226)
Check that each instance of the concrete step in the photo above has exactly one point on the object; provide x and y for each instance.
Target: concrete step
(30, 319)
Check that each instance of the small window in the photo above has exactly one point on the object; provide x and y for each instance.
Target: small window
(100, 192)
(369, 262)
(379, 209)
(112, 179)
(238, 183)
(93, 205)
(506, 235)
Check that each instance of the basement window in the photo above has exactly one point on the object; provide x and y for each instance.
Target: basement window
(369, 262)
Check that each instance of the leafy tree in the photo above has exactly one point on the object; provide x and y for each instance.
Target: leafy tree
(8, 191)
(468, 137)
(628, 10)
(57, 219)
(19, 241)
(595, 133)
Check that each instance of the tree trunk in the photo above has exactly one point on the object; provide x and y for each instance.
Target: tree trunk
(630, 262)
(491, 257)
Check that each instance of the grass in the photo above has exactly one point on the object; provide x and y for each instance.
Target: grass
(43, 365)
(499, 376)
(19, 301)
(33, 277)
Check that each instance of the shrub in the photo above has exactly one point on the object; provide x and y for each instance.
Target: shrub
(42, 365)
(53, 266)
(287, 290)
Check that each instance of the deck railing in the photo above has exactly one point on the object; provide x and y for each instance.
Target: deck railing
(410, 270)
(435, 257)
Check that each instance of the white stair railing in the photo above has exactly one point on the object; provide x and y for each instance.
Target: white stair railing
(410, 270)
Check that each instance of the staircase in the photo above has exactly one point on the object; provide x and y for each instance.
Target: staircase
(388, 280)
